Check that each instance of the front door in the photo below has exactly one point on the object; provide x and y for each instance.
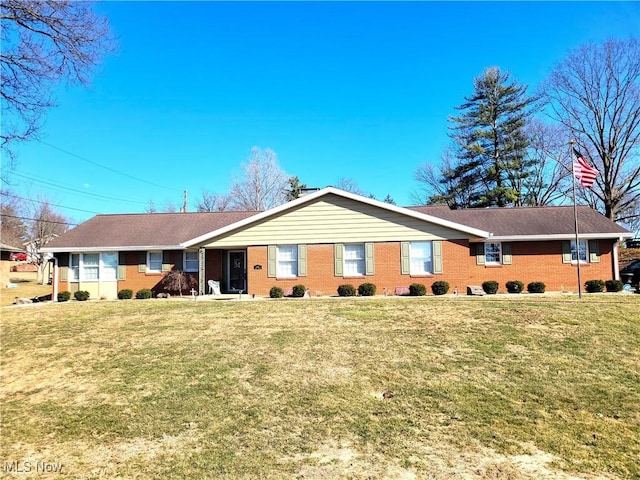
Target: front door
(237, 270)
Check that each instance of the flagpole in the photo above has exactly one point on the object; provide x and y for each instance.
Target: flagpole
(575, 216)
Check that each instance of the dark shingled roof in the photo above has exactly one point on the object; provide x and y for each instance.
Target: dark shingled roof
(145, 229)
(170, 230)
(527, 221)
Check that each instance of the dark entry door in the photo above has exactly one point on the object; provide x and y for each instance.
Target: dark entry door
(237, 270)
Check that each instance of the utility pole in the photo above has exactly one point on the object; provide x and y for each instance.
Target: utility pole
(184, 202)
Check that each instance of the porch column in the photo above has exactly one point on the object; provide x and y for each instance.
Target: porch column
(202, 281)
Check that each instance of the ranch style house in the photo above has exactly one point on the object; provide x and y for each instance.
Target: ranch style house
(332, 237)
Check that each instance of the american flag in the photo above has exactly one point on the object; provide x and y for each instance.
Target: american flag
(584, 172)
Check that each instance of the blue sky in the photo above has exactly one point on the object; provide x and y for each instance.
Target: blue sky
(358, 90)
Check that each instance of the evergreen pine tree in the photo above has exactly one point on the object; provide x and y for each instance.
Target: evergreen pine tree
(490, 144)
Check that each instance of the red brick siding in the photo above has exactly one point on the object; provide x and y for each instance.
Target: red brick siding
(320, 279)
(135, 280)
(542, 262)
(531, 261)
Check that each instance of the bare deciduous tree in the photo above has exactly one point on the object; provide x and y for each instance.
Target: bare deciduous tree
(43, 225)
(43, 43)
(12, 227)
(595, 94)
(441, 188)
(550, 160)
(213, 202)
(263, 184)
(349, 185)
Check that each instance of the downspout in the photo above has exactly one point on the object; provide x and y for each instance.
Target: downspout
(54, 278)
(616, 270)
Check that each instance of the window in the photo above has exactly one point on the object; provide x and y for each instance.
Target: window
(154, 262)
(108, 266)
(492, 254)
(90, 266)
(354, 262)
(190, 261)
(287, 261)
(74, 268)
(583, 254)
(421, 262)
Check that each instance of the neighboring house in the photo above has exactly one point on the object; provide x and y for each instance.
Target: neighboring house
(332, 237)
(5, 262)
(7, 250)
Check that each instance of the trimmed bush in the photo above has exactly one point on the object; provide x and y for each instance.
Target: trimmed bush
(81, 295)
(594, 286)
(514, 286)
(614, 285)
(440, 287)
(490, 287)
(125, 294)
(367, 289)
(347, 290)
(298, 291)
(64, 296)
(144, 293)
(417, 290)
(536, 287)
(276, 292)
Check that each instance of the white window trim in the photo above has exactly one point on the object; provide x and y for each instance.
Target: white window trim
(294, 261)
(184, 261)
(573, 250)
(74, 270)
(412, 258)
(101, 269)
(362, 261)
(149, 269)
(486, 259)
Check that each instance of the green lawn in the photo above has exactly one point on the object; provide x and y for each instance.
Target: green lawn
(505, 387)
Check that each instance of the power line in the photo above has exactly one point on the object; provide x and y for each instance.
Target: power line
(38, 220)
(80, 191)
(105, 167)
(47, 203)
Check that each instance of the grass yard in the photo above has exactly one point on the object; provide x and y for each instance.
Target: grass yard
(26, 286)
(519, 387)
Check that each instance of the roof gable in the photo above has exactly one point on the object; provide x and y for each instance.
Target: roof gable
(374, 208)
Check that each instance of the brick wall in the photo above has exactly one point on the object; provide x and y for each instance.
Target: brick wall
(531, 261)
(321, 280)
(542, 262)
(135, 280)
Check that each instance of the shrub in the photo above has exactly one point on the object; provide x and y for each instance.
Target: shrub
(514, 286)
(417, 290)
(144, 293)
(64, 296)
(536, 287)
(81, 295)
(440, 287)
(346, 290)
(367, 289)
(276, 292)
(125, 294)
(594, 286)
(490, 287)
(614, 285)
(298, 291)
